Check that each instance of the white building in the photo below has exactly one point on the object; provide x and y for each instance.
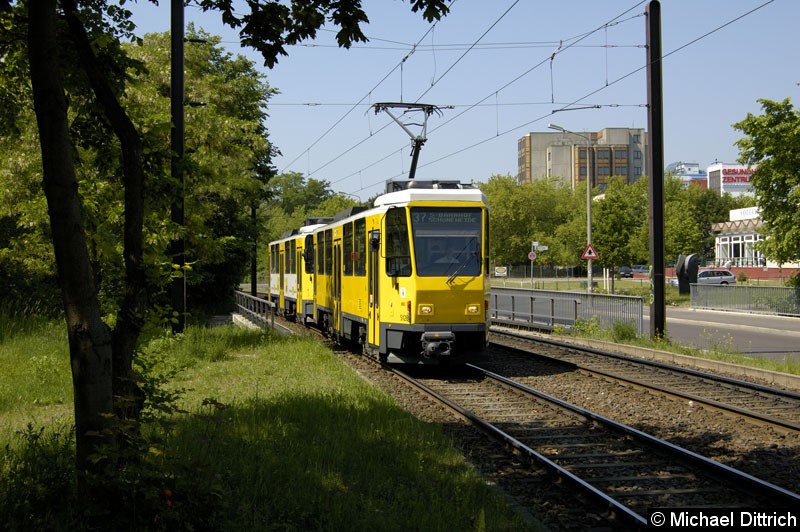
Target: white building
(734, 247)
(734, 240)
(731, 178)
(689, 173)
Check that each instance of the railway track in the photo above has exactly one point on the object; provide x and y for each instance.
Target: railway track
(620, 468)
(550, 495)
(756, 403)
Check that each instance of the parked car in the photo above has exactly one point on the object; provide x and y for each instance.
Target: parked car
(625, 271)
(716, 277)
(641, 268)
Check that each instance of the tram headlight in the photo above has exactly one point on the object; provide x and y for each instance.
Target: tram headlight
(426, 309)
(473, 308)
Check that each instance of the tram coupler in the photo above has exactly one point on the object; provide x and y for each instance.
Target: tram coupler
(437, 344)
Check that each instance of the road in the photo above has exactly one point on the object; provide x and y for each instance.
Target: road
(776, 337)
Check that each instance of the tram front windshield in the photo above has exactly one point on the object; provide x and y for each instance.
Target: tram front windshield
(447, 240)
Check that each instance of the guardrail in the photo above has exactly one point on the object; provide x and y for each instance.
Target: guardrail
(549, 308)
(512, 306)
(261, 311)
(747, 298)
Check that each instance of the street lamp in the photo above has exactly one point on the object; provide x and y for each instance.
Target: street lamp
(588, 200)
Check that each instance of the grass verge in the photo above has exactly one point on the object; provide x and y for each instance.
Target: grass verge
(720, 349)
(264, 432)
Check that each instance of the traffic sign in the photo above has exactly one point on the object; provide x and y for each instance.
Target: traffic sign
(532, 255)
(590, 253)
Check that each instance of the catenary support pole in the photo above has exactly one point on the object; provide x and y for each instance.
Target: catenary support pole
(178, 246)
(655, 127)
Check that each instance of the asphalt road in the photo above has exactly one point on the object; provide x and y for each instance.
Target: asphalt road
(776, 337)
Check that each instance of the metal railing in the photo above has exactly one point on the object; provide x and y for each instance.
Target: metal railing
(259, 310)
(547, 308)
(550, 308)
(762, 299)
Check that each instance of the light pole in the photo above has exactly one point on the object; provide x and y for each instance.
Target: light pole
(588, 201)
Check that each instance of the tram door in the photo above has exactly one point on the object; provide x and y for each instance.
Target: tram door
(373, 277)
(298, 270)
(317, 259)
(282, 286)
(336, 281)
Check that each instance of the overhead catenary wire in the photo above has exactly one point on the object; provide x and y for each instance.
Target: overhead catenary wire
(369, 92)
(607, 83)
(599, 89)
(434, 82)
(572, 42)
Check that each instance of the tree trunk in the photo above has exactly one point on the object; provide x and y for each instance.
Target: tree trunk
(128, 396)
(89, 338)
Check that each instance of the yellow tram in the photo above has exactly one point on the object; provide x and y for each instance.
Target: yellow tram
(407, 279)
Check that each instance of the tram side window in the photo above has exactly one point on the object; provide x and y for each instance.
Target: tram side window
(347, 247)
(290, 251)
(361, 247)
(398, 255)
(328, 252)
(486, 245)
(320, 252)
(308, 254)
(274, 259)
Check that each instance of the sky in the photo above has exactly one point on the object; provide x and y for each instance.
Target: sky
(498, 70)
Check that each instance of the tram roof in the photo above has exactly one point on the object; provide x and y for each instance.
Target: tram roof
(434, 194)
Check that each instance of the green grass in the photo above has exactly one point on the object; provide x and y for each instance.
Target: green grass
(35, 383)
(267, 433)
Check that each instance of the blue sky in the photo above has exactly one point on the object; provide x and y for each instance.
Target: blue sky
(507, 67)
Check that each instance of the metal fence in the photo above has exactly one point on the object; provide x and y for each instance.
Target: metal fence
(259, 310)
(763, 299)
(547, 308)
(550, 308)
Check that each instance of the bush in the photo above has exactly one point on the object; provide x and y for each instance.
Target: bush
(741, 278)
(623, 331)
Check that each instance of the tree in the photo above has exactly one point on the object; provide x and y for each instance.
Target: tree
(772, 143)
(509, 220)
(682, 233)
(521, 214)
(226, 167)
(292, 190)
(613, 224)
(101, 359)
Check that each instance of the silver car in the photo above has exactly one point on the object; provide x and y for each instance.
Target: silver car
(716, 277)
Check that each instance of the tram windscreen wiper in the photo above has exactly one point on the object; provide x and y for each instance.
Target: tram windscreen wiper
(464, 262)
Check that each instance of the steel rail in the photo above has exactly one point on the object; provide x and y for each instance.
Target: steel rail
(617, 508)
(718, 405)
(779, 495)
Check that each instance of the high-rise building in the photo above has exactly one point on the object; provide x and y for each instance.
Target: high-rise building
(611, 152)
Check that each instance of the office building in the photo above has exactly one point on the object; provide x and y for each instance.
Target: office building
(611, 152)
